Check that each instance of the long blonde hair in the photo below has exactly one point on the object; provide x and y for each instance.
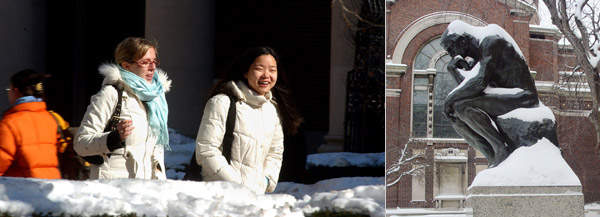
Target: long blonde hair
(132, 49)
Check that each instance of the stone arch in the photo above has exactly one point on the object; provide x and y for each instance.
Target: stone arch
(424, 22)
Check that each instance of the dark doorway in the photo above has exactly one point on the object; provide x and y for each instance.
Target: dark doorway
(299, 30)
(80, 36)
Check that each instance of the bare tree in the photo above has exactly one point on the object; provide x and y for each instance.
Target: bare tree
(407, 164)
(579, 22)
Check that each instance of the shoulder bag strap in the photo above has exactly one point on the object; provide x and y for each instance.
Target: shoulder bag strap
(194, 171)
(114, 118)
(229, 125)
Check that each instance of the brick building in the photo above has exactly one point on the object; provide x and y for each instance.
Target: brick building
(417, 82)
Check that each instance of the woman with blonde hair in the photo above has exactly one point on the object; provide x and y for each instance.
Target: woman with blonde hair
(124, 130)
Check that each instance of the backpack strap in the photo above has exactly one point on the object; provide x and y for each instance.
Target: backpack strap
(59, 128)
(229, 125)
(59, 131)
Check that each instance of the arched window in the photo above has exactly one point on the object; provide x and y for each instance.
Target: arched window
(431, 84)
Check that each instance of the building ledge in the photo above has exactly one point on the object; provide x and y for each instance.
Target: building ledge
(393, 92)
(394, 69)
(539, 30)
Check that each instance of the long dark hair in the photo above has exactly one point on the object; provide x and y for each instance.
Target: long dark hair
(290, 117)
(29, 82)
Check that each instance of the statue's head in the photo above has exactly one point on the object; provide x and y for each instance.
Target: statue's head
(460, 44)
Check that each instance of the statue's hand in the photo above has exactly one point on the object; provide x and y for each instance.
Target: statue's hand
(458, 63)
(448, 111)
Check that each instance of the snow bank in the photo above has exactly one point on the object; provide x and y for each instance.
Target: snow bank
(23, 197)
(346, 159)
(358, 199)
(337, 184)
(538, 165)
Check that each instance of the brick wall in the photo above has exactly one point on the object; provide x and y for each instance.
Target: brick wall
(543, 59)
(577, 135)
(577, 140)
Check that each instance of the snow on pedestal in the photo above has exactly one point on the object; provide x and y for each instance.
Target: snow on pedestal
(532, 181)
(537, 165)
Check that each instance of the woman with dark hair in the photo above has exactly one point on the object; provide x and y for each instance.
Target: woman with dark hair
(264, 108)
(28, 132)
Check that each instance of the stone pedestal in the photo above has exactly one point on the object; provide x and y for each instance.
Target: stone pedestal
(517, 201)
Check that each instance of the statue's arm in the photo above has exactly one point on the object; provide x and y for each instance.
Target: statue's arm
(467, 89)
(457, 63)
(471, 88)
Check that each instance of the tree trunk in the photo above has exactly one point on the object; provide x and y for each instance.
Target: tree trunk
(593, 78)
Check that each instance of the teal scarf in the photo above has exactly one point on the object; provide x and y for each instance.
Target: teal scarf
(154, 97)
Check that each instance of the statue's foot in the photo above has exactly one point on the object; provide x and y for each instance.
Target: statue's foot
(492, 164)
(499, 158)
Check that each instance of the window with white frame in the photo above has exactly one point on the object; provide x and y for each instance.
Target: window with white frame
(431, 84)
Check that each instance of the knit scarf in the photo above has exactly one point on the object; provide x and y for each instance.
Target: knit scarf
(154, 96)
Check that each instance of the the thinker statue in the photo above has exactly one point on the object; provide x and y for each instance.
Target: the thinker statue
(494, 80)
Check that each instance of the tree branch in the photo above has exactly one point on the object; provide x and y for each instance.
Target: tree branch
(355, 14)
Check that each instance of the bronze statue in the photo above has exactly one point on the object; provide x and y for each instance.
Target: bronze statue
(500, 82)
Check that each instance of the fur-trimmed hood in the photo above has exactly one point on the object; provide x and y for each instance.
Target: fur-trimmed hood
(111, 74)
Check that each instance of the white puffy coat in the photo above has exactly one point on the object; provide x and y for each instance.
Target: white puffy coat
(257, 147)
(141, 157)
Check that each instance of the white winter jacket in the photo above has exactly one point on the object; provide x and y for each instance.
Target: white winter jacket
(141, 157)
(257, 147)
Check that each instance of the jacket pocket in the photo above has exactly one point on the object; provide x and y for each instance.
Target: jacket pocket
(115, 167)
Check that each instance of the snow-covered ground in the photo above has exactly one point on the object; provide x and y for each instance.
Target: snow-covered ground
(592, 210)
(23, 197)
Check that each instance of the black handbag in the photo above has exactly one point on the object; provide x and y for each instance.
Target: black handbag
(194, 171)
(112, 125)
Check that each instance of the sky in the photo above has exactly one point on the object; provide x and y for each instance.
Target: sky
(544, 14)
(21, 197)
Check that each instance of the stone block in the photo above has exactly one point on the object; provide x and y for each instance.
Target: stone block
(525, 201)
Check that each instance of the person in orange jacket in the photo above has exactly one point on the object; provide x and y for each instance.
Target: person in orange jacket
(28, 132)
